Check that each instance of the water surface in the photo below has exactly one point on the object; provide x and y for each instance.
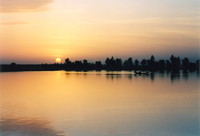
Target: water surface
(99, 104)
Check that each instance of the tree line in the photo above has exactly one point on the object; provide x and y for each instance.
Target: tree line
(175, 63)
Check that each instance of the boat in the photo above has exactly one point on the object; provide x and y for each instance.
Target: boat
(141, 73)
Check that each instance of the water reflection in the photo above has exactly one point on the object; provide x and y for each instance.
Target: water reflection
(173, 76)
(99, 104)
(27, 127)
(185, 75)
(113, 76)
(129, 76)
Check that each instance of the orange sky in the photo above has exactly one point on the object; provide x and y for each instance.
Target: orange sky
(39, 31)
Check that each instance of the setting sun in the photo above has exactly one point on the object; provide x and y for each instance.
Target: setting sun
(58, 60)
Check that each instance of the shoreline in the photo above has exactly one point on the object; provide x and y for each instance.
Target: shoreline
(60, 67)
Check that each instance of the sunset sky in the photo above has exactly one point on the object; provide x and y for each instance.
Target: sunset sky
(38, 31)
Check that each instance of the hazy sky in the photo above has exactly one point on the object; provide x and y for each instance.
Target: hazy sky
(38, 31)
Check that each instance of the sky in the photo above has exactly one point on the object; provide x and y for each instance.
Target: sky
(39, 31)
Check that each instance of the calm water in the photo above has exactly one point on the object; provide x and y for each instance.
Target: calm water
(98, 104)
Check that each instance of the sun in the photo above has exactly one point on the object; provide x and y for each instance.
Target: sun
(58, 60)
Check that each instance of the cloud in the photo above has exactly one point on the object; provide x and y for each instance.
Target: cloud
(23, 5)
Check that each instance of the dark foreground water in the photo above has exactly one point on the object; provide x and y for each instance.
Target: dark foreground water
(98, 104)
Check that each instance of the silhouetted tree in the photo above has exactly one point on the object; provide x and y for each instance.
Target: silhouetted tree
(98, 65)
(128, 64)
(78, 65)
(175, 61)
(118, 64)
(68, 64)
(108, 63)
(136, 64)
(13, 64)
(67, 61)
(168, 65)
(172, 58)
(152, 59)
(185, 63)
(161, 64)
(192, 66)
(85, 62)
(151, 63)
(111, 64)
(144, 62)
(86, 65)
